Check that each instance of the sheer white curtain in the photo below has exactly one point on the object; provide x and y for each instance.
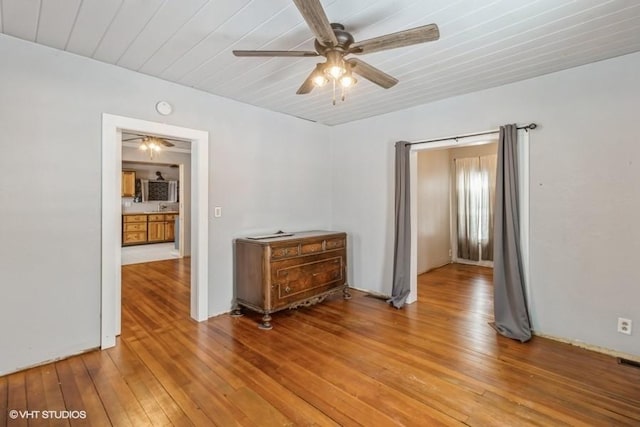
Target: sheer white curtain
(475, 195)
(173, 191)
(144, 188)
(488, 166)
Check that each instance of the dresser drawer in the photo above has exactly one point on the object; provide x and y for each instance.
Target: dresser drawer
(284, 252)
(311, 247)
(156, 217)
(135, 218)
(295, 281)
(334, 244)
(170, 217)
(135, 226)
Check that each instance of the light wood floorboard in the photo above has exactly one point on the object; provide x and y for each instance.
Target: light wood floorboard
(357, 362)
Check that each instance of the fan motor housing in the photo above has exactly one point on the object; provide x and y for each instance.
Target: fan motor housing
(344, 40)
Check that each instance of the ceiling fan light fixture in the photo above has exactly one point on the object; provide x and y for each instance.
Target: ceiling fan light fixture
(319, 79)
(334, 68)
(150, 144)
(347, 79)
(334, 71)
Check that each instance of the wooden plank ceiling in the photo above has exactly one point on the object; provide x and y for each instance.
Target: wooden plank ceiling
(483, 44)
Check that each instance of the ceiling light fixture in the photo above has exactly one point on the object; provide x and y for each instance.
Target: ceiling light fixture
(150, 144)
(336, 71)
(319, 79)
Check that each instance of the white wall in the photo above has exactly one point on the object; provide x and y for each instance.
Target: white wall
(584, 191)
(268, 171)
(434, 224)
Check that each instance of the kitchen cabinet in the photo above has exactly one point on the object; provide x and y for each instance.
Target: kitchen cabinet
(134, 229)
(170, 227)
(128, 183)
(139, 228)
(156, 228)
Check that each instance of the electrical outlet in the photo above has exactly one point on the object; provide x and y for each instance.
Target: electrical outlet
(624, 325)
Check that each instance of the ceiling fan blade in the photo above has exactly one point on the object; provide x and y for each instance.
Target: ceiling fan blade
(146, 138)
(372, 74)
(316, 18)
(274, 53)
(426, 33)
(307, 85)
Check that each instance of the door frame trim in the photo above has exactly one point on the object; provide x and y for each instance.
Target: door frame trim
(111, 229)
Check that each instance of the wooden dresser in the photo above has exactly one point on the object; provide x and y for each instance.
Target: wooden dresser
(288, 272)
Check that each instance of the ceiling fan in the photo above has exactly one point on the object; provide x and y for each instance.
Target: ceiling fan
(152, 143)
(148, 138)
(335, 43)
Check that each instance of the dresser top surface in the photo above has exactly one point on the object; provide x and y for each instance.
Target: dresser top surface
(291, 236)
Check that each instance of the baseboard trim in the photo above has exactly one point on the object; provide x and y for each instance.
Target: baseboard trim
(597, 349)
(378, 295)
(46, 362)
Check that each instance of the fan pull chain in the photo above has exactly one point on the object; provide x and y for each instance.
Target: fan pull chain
(334, 91)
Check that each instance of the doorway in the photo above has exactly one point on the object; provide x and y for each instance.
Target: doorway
(454, 143)
(156, 203)
(112, 128)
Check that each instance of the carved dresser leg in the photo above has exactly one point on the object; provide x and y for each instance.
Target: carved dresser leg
(345, 292)
(266, 322)
(236, 311)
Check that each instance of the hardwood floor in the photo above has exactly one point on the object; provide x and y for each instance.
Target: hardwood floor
(357, 362)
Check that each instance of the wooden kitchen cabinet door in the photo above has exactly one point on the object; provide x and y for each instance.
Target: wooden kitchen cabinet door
(128, 183)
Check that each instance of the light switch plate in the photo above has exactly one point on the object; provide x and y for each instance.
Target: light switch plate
(217, 212)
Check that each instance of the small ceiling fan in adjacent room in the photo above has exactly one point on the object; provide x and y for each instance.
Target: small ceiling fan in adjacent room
(152, 144)
(334, 43)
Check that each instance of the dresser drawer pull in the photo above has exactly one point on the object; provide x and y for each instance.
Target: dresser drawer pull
(287, 289)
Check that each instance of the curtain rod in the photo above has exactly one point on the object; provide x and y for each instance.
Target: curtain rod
(526, 127)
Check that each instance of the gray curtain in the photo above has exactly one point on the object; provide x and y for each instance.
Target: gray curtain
(510, 305)
(402, 241)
